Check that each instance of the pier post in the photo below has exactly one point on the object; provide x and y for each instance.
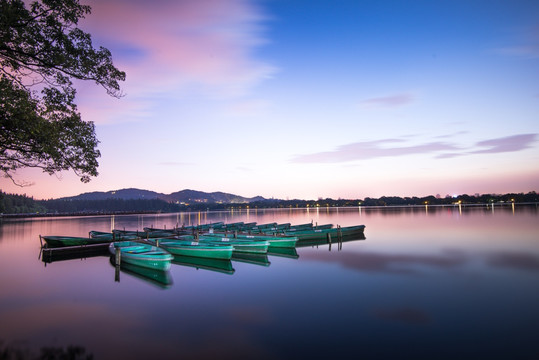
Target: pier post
(118, 257)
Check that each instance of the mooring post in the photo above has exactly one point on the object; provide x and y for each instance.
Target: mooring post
(118, 256)
(329, 238)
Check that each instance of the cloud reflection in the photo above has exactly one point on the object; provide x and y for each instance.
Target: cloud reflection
(517, 261)
(391, 263)
(405, 315)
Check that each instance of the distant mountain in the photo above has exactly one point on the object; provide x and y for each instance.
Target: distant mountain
(184, 196)
(126, 194)
(187, 196)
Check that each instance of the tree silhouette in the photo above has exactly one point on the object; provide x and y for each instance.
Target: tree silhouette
(42, 49)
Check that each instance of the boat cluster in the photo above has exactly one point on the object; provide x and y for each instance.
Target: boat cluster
(155, 248)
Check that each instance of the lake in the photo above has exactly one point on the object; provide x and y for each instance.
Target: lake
(425, 283)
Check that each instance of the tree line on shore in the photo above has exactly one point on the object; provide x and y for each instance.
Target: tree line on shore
(22, 204)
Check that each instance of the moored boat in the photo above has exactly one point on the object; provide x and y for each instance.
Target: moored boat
(141, 254)
(194, 248)
(331, 234)
(274, 241)
(240, 246)
(62, 241)
(111, 236)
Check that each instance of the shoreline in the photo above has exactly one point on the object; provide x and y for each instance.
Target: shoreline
(247, 208)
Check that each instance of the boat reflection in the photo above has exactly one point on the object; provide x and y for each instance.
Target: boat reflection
(155, 277)
(306, 243)
(250, 258)
(290, 253)
(48, 256)
(218, 265)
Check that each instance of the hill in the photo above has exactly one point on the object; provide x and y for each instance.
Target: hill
(180, 197)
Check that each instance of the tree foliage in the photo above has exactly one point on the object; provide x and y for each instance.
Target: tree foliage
(41, 52)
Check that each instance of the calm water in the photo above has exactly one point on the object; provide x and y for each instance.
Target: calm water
(425, 283)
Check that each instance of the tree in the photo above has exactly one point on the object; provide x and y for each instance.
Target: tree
(41, 52)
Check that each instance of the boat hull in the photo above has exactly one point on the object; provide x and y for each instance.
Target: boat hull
(141, 254)
(333, 234)
(195, 249)
(274, 241)
(63, 241)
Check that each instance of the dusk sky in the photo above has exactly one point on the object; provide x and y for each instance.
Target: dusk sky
(303, 99)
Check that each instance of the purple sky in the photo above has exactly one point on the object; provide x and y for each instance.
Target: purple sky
(303, 99)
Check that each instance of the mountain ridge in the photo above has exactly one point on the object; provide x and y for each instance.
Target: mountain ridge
(182, 196)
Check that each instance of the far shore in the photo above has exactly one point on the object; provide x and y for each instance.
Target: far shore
(246, 207)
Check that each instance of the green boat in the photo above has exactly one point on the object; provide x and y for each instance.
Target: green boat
(161, 233)
(274, 241)
(333, 234)
(240, 246)
(141, 254)
(62, 241)
(215, 225)
(111, 236)
(194, 248)
(325, 240)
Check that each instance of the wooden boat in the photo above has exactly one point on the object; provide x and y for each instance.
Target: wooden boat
(274, 241)
(61, 241)
(202, 227)
(141, 254)
(163, 232)
(194, 248)
(240, 246)
(333, 234)
(111, 236)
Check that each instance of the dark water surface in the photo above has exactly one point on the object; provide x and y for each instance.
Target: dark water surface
(425, 283)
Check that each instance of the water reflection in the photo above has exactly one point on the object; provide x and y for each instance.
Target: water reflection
(290, 253)
(251, 258)
(429, 282)
(51, 256)
(398, 263)
(159, 278)
(218, 265)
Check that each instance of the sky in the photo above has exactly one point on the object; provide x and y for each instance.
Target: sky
(308, 99)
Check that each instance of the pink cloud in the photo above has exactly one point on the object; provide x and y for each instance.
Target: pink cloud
(389, 101)
(390, 148)
(373, 149)
(173, 45)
